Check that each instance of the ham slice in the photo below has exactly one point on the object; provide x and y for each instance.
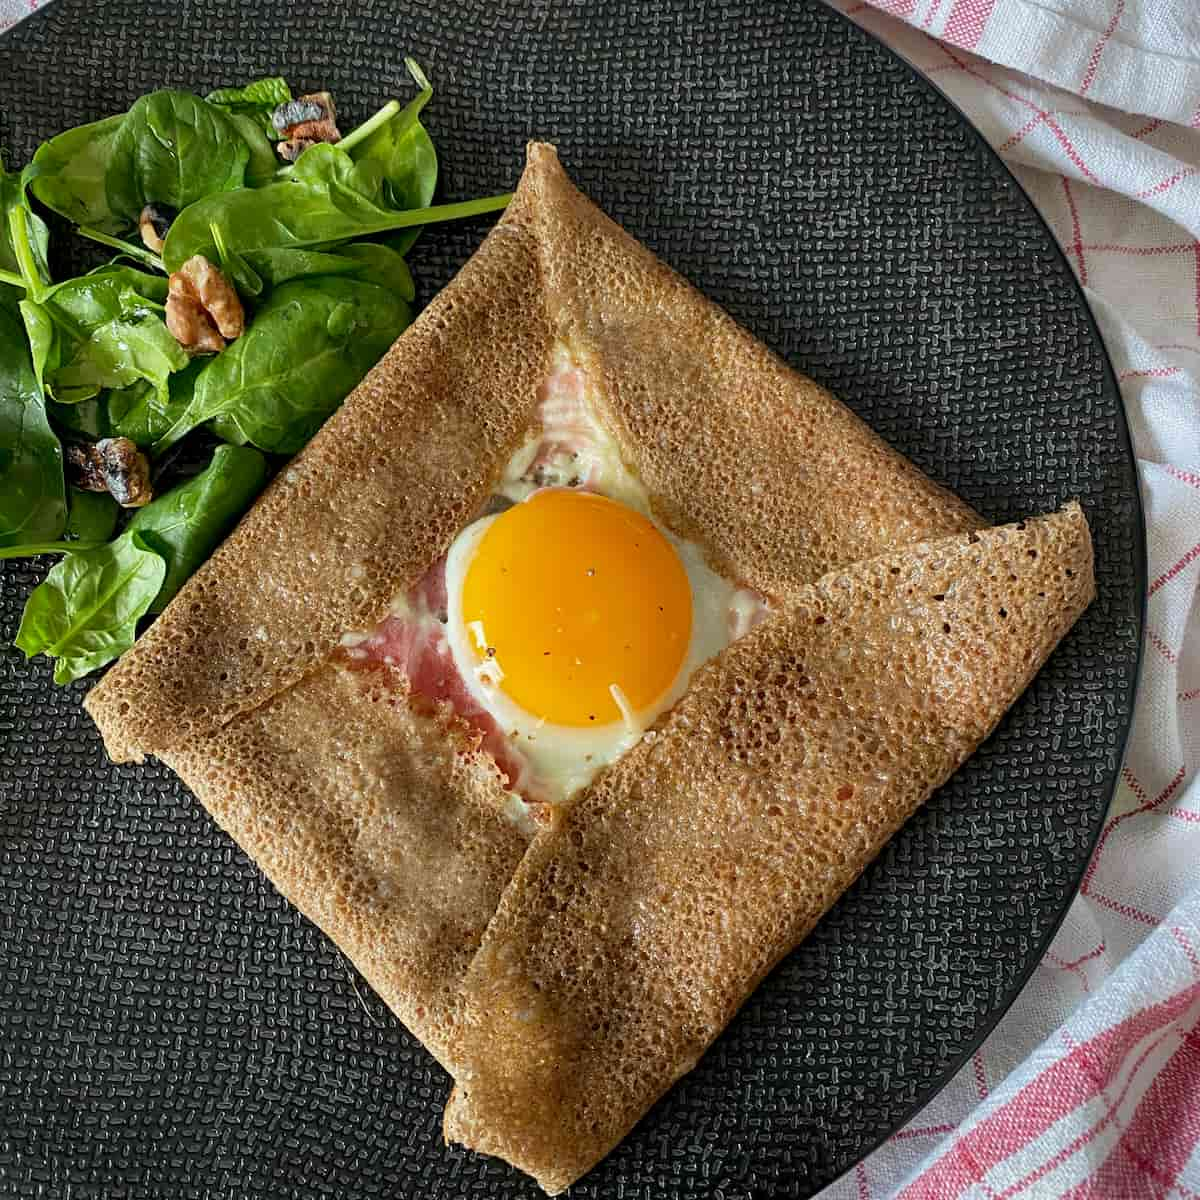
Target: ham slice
(410, 644)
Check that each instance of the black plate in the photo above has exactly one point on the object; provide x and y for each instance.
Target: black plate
(169, 1026)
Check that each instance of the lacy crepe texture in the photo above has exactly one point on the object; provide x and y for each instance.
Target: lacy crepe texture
(567, 971)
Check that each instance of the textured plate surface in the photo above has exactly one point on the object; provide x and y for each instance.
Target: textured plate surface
(170, 1027)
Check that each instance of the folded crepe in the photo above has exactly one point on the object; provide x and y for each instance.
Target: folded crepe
(777, 479)
(391, 826)
(635, 929)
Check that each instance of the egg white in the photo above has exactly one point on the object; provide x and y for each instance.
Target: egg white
(565, 758)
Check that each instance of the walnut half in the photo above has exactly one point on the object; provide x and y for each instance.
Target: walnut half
(305, 122)
(113, 465)
(203, 309)
(154, 222)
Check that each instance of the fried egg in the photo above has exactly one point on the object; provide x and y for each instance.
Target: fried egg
(574, 617)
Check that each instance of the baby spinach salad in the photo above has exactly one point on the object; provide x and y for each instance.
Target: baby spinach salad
(258, 272)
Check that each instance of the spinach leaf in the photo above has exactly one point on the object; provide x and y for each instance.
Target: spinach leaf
(257, 100)
(37, 549)
(185, 524)
(43, 339)
(102, 330)
(32, 500)
(88, 417)
(86, 611)
(263, 162)
(138, 412)
(172, 148)
(309, 345)
(235, 268)
(116, 354)
(91, 516)
(101, 294)
(123, 248)
(383, 266)
(250, 109)
(131, 411)
(69, 173)
(369, 261)
(404, 151)
(281, 264)
(24, 238)
(328, 198)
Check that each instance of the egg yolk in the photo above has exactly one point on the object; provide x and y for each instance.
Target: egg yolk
(572, 594)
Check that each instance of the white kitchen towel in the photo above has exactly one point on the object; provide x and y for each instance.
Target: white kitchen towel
(12, 11)
(1090, 1086)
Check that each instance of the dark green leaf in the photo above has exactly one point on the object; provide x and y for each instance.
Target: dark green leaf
(32, 500)
(37, 549)
(117, 354)
(134, 411)
(328, 198)
(91, 516)
(383, 266)
(369, 261)
(102, 330)
(70, 173)
(138, 412)
(185, 524)
(263, 161)
(89, 300)
(267, 93)
(406, 157)
(86, 611)
(24, 238)
(308, 347)
(88, 417)
(276, 266)
(235, 267)
(173, 148)
(256, 101)
(43, 339)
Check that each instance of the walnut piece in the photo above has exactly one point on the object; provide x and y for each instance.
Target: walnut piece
(291, 150)
(203, 309)
(153, 224)
(305, 122)
(113, 465)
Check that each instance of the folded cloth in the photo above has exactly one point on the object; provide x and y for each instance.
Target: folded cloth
(12, 11)
(1090, 1086)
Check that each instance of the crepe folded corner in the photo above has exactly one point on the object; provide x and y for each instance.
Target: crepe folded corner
(550, 981)
(777, 479)
(633, 932)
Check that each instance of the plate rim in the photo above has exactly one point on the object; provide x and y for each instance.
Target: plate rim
(1141, 580)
